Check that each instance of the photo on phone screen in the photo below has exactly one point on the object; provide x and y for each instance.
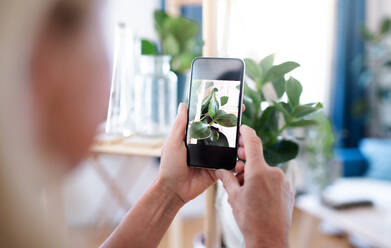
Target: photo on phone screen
(213, 113)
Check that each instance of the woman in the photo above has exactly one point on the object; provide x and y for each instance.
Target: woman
(54, 94)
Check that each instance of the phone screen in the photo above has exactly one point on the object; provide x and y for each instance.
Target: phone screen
(214, 112)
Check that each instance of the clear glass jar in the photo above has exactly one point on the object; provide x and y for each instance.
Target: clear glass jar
(155, 96)
(121, 106)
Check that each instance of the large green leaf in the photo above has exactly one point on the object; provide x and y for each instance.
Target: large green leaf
(287, 107)
(293, 90)
(213, 106)
(303, 110)
(177, 36)
(223, 100)
(160, 17)
(254, 95)
(279, 86)
(246, 121)
(148, 47)
(267, 125)
(249, 111)
(281, 109)
(194, 46)
(170, 45)
(253, 70)
(226, 120)
(303, 123)
(267, 63)
(280, 152)
(181, 62)
(183, 29)
(206, 101)
(199, 130)
(267, 119)
(280, 70)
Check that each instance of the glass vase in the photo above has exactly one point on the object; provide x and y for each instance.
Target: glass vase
(155, 96)
(121, 106)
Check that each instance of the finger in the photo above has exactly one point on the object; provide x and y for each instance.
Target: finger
(212, 174)
(179, 128)
(241, 153)
(240, 178)
(243, 108)
(252, 147)
(239, 168)
(241, 140)
(230, 182)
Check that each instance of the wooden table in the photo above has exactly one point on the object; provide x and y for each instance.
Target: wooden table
(133, 146)
(370, 224)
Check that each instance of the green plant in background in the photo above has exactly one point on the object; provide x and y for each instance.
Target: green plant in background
(371, 66)
(265, 120)
(322, 142)
(379, 35)
(178, 38)
(206, 130)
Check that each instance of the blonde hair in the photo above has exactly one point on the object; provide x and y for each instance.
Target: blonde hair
(24, 222)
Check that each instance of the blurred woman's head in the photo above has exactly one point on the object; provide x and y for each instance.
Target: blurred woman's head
(53, 94)
(69, 78)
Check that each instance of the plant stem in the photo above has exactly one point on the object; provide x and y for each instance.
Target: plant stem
(213, 121)
(203, 117)
(279, 132)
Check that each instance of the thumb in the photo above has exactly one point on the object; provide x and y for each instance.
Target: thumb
(230, 182)
(179, 128)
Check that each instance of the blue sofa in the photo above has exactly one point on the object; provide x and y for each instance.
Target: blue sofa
(371, 159)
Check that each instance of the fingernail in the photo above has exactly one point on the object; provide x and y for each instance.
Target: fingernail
(179, 108)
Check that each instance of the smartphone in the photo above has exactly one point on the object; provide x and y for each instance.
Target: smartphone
(215, 100)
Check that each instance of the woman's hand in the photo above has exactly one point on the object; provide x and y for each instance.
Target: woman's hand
(260, 195)
(183, 181)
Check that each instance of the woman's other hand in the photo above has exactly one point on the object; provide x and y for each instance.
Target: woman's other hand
(260, 195)
(183, 181)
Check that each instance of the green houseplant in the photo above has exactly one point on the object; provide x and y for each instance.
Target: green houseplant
(178, 39)
(266, 119)
(273, 109)
(206, 130)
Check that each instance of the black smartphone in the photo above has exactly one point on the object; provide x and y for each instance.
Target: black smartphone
(215, 100)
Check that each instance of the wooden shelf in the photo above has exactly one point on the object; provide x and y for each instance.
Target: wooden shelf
(132, 146)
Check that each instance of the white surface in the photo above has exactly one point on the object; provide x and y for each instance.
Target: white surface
(300, 30)
(371, 224)
(232, 235)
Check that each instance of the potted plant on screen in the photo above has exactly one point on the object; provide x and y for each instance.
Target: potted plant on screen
(274, 110)
(206, 130)
(178, 39)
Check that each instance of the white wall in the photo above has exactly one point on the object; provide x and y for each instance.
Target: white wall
(300, 30)
(137, 14)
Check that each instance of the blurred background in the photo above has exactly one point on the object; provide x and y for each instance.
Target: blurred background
(342, 172)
